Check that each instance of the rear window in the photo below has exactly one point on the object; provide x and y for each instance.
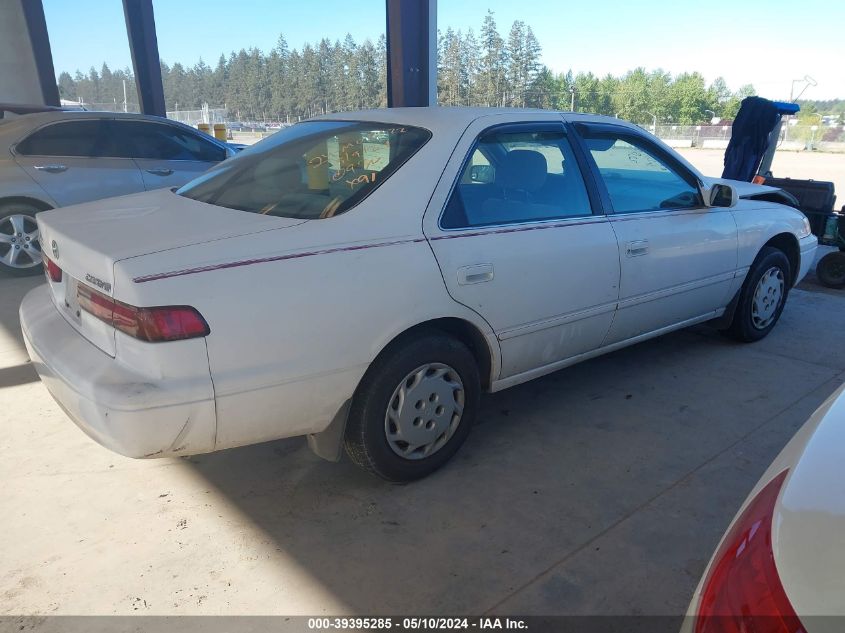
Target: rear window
(311, 170)
(84, 138)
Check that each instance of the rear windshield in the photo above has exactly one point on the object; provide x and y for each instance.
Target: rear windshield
(311, 170)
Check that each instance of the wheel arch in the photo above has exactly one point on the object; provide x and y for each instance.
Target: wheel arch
(466, 332)
(43, 205)
(788, 244)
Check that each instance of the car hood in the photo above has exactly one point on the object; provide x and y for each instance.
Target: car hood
(809, 527)
(743, 189)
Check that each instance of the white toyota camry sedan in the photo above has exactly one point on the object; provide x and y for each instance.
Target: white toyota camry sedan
(361, 278)
(780, 568)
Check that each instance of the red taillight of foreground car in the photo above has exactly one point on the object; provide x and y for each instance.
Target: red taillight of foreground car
(743, 591)
(54, 273)
(161, 323)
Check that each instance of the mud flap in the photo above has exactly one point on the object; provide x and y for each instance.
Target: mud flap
(328, 444)
(724, 321)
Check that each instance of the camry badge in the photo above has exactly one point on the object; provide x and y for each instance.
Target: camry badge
(102, 285)
(55, 248)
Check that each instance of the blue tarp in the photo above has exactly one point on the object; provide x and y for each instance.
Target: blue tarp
(785, 107)
(754, 123)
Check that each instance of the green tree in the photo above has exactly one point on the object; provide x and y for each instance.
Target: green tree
(491, 77)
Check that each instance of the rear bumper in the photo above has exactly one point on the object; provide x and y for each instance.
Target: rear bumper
(126, 411)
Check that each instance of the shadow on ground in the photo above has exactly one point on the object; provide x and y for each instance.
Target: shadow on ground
(602, 488)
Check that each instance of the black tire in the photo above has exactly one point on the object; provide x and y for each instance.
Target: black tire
(28, 259)
(831, 270)
(366, 437)
(745, 326)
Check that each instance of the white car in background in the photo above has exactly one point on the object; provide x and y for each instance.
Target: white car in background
(780, 568)
(59, 158)
(360, 278)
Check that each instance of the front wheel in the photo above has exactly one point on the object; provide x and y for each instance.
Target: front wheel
(20, 246)
(414, 408)
(831, 270)
(762, 296)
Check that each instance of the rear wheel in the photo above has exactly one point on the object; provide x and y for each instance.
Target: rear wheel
(831, 270)
(762, 296)
(20, 245)
(414, 407)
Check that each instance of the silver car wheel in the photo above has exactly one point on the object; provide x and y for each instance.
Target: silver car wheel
(768, 296)
(424, 411)
(19, 241)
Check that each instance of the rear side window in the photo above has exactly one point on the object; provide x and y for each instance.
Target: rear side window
(312, 170)
(69, 138)
(637, 178)
(519, 176)
(159, 141)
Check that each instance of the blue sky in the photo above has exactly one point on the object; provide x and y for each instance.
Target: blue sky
(767, 43)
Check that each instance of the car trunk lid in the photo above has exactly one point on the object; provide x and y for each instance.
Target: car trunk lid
(86, 241)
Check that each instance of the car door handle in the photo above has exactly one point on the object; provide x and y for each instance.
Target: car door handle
(160, 171)
(636, 248)
(51, 169)
(475, 274)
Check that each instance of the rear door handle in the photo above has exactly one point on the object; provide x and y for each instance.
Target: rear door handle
(51, 169)
(636, 248)
(160, 171)
(475, 274)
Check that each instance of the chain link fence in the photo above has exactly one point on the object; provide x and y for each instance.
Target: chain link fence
(792, 137)
(204, 115)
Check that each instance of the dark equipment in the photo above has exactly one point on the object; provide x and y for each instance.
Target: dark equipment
(816, 200)
(749, 156)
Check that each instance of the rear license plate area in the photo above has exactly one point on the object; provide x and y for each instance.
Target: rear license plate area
(72, 300)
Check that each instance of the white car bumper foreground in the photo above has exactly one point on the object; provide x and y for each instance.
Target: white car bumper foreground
(131, 413)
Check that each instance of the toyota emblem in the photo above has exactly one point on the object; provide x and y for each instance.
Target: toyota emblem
(55, 248)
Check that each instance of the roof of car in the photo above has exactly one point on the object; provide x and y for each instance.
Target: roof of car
(443, 118)
(38, 118)
(13, 128)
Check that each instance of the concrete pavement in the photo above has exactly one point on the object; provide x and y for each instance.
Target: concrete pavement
(602, 488)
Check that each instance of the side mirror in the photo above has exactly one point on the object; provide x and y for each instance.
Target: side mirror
(484, 174)
(721, 195)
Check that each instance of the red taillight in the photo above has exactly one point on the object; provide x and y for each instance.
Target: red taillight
(52, 269)
(162, 323)
(743, 591)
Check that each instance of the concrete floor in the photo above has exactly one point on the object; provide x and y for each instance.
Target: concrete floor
(602, 488)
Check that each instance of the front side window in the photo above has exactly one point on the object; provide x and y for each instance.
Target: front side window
(637, 178)
(312, 170)
(159, 141)
(69, 138)
(517, 176)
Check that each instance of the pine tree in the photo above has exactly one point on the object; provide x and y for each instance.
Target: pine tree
(491, 69)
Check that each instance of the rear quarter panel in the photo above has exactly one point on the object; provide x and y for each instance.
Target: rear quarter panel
(16, 183)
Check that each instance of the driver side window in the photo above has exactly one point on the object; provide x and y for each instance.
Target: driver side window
(637, 178)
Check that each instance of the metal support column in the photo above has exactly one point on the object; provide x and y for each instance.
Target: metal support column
(143, 44)
(411, 53)
(36, 25)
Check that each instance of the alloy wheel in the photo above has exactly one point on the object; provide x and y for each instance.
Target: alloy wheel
(20, 246)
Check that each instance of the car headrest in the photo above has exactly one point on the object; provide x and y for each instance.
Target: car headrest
(522, 169)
